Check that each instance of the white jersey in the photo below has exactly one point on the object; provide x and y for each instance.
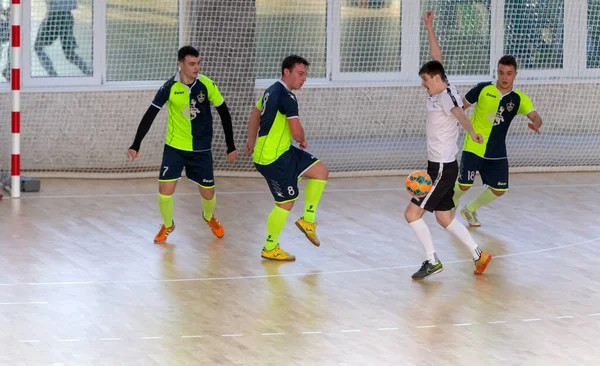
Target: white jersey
(442, 126)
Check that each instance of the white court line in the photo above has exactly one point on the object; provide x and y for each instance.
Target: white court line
(24, 303)
(233, 193)
(203, 279)
(313, 332)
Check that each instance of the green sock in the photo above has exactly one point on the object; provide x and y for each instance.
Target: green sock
(314, 190)
(482, 199)
(458, 193)
(209, 207)
(165, 204)
(275, 224)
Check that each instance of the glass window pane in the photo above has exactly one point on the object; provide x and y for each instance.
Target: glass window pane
(148, 51)
(463, 31)
(370, 36)
(533, 33)
(593, 40)
(61, 38)
(5, 40)
(285, 27)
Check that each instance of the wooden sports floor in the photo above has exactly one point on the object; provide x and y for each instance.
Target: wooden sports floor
(81, 282)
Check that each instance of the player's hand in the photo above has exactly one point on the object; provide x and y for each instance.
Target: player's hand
(477, 137)
(429, 18)
(132, 154)
(535, 127)
(232, 156)
(304, 145)
(249, 148)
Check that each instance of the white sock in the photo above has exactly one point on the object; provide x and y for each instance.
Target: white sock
(424, 237)
(461, 233)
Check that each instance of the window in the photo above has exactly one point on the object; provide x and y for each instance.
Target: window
(142, 39)
(61, 38)
(5, 41)
(593, 34)
(370, 36)
(534, 32)
(285, 27)
(463, 32)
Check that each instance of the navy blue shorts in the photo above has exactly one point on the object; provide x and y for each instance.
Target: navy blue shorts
(494, 172)
(198, 166)
(283, 174)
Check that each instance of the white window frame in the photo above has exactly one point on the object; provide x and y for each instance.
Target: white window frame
(574, 53)
(98, 43)
(324, 81)
(98, 81)
(585, 73)
(409, 46)
(570, 31)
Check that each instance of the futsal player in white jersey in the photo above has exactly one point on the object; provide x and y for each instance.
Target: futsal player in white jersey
(444, 114)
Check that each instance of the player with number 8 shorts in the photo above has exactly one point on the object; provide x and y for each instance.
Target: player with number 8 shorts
(273, 124)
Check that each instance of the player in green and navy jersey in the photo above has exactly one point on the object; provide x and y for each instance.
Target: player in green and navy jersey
(188, 144)
(273, 124)
(496, 107)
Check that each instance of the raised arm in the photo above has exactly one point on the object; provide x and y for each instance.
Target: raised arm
(434, 47)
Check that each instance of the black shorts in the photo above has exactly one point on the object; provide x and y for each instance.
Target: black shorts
(58, 24)
(494, 173)
(440, 198)
(198, 166)
(283, 174)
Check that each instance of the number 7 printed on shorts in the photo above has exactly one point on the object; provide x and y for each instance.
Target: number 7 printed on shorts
(165, 170)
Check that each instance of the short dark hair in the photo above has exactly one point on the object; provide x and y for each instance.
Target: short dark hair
(433, 68)
(187, 51)
(508, 60)
(293, 60)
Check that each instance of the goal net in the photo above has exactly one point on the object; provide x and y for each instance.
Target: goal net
(363, 108)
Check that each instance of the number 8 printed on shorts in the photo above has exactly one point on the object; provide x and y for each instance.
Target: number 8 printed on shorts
(291, 191)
